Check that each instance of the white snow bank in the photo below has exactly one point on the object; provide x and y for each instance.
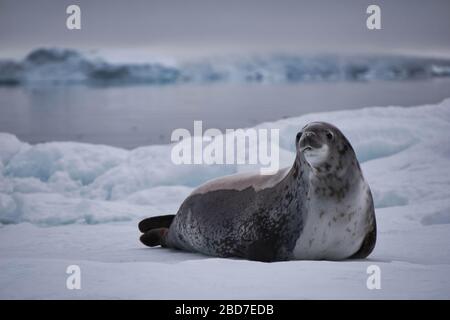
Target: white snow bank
(404, 152)
(82, 162)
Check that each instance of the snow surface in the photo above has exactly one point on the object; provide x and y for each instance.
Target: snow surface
(64, 203)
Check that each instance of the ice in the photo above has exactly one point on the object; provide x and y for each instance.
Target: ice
(57, 66)
(65, 203)
(83, 163)
(440, 217)
(10, 145)
(385, 140)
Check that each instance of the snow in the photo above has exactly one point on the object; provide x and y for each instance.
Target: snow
(64, 203)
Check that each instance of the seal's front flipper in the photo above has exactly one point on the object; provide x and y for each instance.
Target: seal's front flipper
(155, 237)
(156, 222)
(262, 250)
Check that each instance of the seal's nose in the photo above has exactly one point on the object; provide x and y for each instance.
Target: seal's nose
(310, 139)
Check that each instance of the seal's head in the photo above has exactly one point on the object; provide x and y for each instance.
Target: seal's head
(324, 148)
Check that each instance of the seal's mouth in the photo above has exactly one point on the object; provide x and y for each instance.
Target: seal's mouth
(315, 156)
(309, 141)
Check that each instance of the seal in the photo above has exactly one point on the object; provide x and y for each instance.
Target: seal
(321, 208)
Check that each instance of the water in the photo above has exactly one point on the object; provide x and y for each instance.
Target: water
(132, 116)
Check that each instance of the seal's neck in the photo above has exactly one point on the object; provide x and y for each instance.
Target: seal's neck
(298, 174)
(343, 177)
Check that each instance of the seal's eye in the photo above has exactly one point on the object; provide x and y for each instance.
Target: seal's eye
(329, 135)
(297, 138)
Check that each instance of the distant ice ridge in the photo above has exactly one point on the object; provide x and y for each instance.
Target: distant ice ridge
(405, 156)
(66, 66)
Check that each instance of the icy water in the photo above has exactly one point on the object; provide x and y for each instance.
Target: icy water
(132, 116)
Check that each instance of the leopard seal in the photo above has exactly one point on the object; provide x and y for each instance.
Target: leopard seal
(321, 208)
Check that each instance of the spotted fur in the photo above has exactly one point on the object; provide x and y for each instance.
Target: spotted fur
(320, 208)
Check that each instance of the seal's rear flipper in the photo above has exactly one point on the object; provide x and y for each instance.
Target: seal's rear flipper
(155, 237)
(156, 222)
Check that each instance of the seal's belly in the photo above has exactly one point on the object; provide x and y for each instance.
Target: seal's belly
(332, 232)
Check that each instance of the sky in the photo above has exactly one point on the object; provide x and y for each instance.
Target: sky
(202, 27)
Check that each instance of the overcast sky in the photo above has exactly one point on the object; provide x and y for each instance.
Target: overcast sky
(210, 26)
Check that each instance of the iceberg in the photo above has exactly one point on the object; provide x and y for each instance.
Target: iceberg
(56, 66)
